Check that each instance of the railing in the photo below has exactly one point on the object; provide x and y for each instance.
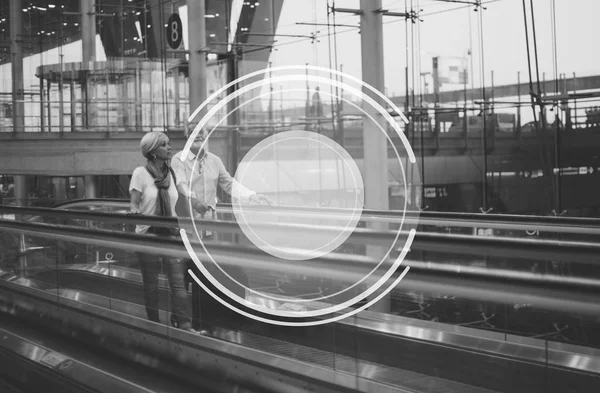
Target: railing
(504, 286)
(556, 224)
(490, 298)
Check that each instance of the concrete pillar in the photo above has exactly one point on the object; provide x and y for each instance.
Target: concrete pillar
(16, 50)
(374, 141)
(21, 190)
(88, 30)
(197, 62)
(88, 51)
(90, 186)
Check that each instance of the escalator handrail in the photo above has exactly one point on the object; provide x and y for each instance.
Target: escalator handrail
(532, 248)
(558, 224)
(549, 292)
(538, 249)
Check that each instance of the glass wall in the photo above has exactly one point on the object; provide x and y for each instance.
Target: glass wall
(503, 117)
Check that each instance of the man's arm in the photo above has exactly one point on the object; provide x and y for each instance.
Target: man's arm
(231, 186)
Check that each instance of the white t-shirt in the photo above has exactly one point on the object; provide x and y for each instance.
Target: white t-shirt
(144, 183)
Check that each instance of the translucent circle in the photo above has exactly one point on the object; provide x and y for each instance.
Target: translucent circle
(300, 169)
(377, 275)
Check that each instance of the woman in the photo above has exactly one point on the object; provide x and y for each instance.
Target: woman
(153, 192)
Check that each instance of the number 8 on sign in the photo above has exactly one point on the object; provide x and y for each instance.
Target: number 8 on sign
(174, 31)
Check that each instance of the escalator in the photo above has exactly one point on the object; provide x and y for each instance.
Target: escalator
(393, 345)
(252, 362)
(36, 360)
(102, 305)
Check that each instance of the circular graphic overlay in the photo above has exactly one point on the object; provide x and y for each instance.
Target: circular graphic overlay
(299, 169)
(323, 192)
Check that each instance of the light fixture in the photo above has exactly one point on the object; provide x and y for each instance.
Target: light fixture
(138, 13)
(148, 26)
(76, 24)
(217, 14)
(257, 4)
(24, 9)
(266, 19)
(51, 6)
(209, 16)
(213, 35)
(64, 23)
(252, 6)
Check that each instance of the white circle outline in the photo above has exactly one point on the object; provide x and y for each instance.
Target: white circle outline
(238, 299)
(385, 114)
(242, 91)
(353, 214)
(249, 87)
(270, 296)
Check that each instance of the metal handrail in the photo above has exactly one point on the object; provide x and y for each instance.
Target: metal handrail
(535, 249)
(569, 295)
(558, 224)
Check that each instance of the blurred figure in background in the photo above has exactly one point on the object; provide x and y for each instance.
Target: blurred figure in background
(154, 192)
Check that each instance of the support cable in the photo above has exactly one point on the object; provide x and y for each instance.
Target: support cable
(545, 153)
(330, 10)
(412, 42)
(532, 94)
(484, 112)
(340, 125)
(556, 108)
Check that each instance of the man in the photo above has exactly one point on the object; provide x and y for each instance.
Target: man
(209, 173)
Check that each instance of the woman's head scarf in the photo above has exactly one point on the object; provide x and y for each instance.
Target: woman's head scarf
(151, 141)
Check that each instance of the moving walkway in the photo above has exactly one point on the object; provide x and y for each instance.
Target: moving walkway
(370, 352)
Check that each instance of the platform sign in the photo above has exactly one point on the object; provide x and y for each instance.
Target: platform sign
(174, 31)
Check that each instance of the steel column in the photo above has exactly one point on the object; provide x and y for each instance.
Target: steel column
(375, 142)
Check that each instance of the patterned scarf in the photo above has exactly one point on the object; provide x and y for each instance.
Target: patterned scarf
(162, 180)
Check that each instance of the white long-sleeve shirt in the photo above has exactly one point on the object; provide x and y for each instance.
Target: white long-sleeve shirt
(206, 181)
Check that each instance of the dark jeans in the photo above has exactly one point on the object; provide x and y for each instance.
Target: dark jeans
(151, 266)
